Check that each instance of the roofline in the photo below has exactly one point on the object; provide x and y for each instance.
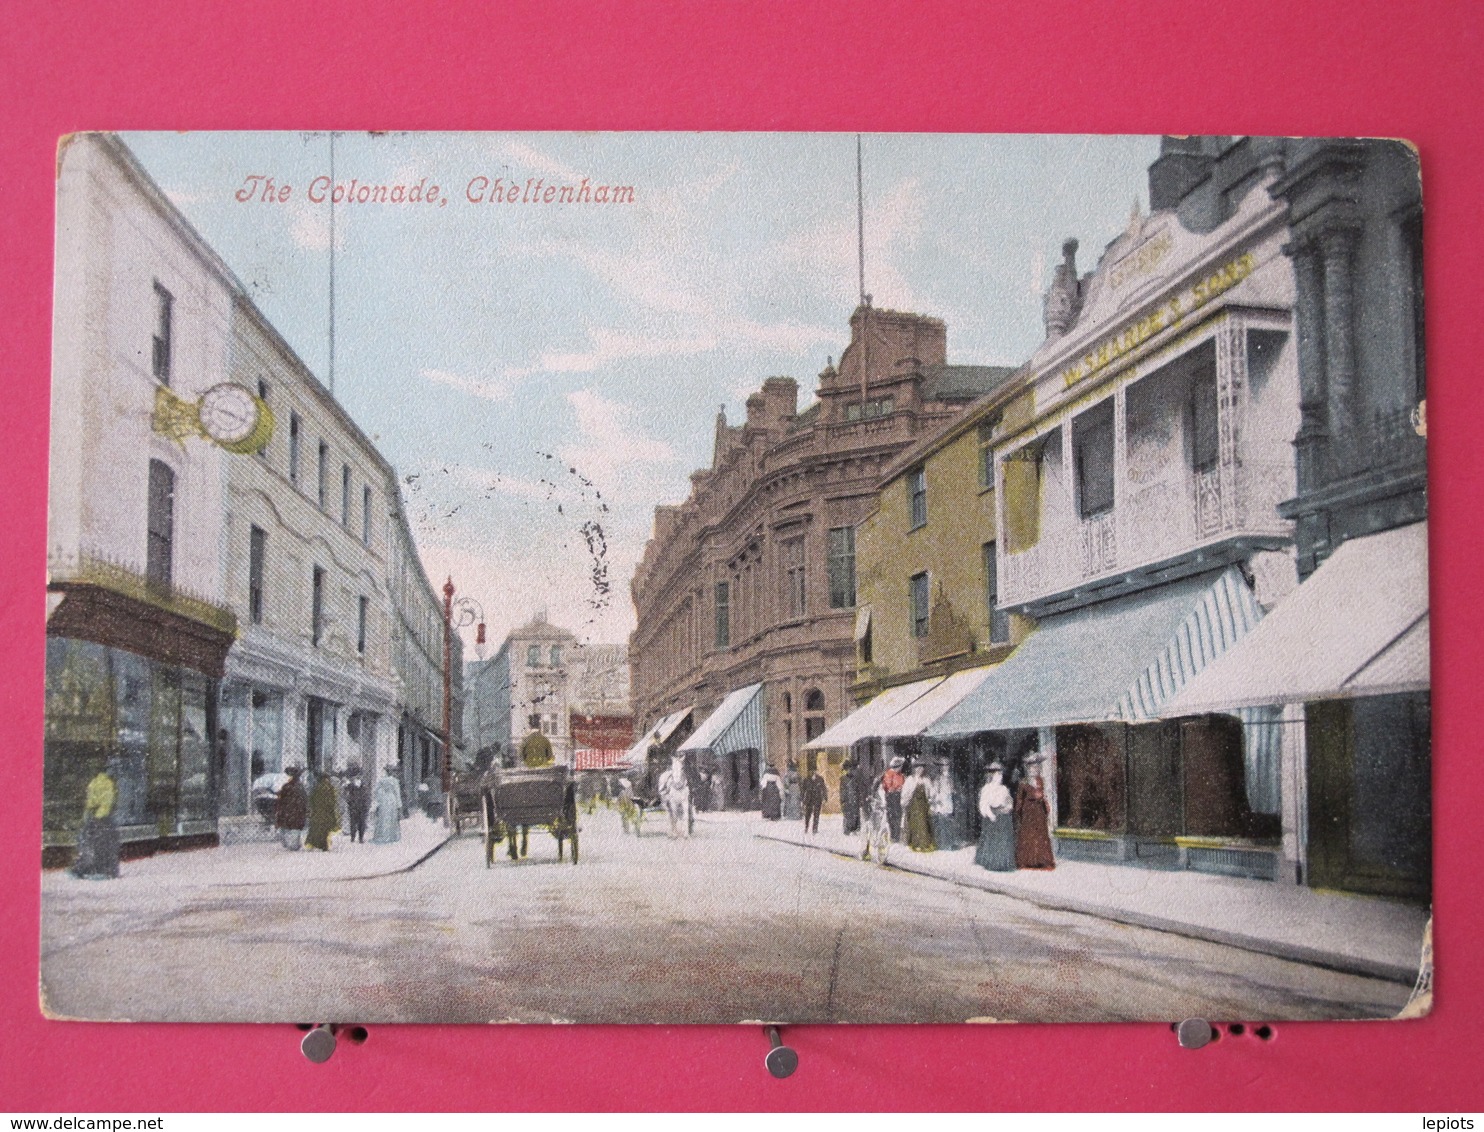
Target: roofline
(971, 417)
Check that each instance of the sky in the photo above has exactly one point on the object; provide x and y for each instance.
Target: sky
(542, 375)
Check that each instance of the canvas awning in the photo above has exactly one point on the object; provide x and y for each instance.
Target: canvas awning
(639, 752)
(735, 725)
(932, 705)
(864, 722)
(1358, 626)
(1118, 660)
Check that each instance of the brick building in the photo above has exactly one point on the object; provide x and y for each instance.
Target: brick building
(751, 580)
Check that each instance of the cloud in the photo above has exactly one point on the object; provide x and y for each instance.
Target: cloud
(607, 346)
(489, 389)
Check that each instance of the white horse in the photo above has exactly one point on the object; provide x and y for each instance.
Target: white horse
(674, 791)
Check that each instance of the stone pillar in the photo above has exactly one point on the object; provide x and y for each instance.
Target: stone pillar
(1294, 800)
(1231, 389)
(1337, 248)
(1312, 442)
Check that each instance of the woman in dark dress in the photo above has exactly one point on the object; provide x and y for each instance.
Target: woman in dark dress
(850, 801)
(1032, 830)
(772, 799)
(996, 850)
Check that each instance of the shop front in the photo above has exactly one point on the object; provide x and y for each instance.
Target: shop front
(1081, 702)
(131, 685)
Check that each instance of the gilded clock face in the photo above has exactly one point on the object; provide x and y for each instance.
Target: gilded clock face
(229, 412)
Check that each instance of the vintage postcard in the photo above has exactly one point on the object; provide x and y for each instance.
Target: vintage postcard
(732, 577)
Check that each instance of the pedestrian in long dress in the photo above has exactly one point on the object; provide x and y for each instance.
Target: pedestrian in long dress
(357, 804)
(878, 828)
(891, 785)
(917, 791)
(996, 850)
(386, 825)
(772, 795)
(291, 812)
(850, 799)
(324, 814)
(940, 794)
(1032, 827)
(98, 839)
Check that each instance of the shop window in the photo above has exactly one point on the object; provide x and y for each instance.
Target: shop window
(163, 343)
(917, 599)
(723, 615)
(1092, 454)
(1215, 784)
(999, 619)
(317, 607)
(295, 428)
(533, 656)
(1091, 786)
(1205, 444)
(257, 565)
(841, 567)
(263, 397)
(986, 456)
(796, 600)
(917, 498)
(160, 523)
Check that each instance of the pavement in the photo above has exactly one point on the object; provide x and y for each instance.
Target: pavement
(721, 927)
(1358, 935)
(268, 862)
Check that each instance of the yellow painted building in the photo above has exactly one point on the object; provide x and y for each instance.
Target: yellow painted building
(925, 559)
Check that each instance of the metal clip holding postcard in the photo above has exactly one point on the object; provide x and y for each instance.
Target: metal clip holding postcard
(781, 1060)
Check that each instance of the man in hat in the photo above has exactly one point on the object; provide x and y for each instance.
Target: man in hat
(291, 813)
(535, 748)
(357, 803)
(891, 786)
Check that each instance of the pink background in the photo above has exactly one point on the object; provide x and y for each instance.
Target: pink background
(1291, 66)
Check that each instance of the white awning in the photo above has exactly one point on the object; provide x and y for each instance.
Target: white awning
(933, 705)
(1121, 659)
(639, 752)
(864, 722)
(1358, 626)
(735, 725)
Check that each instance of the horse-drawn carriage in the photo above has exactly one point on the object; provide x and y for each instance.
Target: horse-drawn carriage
(514, 799)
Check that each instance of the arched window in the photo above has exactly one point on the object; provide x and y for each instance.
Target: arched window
(814, 700)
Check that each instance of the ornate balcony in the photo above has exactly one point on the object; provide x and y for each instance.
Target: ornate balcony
(1173, 526)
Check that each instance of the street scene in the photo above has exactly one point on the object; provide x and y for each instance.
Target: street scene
(728, 578)
(743, 929)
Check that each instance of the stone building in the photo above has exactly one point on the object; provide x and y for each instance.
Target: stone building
(138, 624)
(577, 693)
(230, 578)
(750, 584)
(1347, 653)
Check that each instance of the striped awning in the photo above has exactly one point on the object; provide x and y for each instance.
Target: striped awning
(736, 724)
(593, 758)
(639, 752)
(1117, 660)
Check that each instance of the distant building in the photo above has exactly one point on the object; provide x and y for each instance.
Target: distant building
(543, 679)
(750, 584)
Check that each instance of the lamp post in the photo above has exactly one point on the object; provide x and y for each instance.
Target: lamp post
(456, 615)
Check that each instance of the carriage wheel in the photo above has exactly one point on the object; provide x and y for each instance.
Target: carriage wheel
(570, 816)
(487, 821)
